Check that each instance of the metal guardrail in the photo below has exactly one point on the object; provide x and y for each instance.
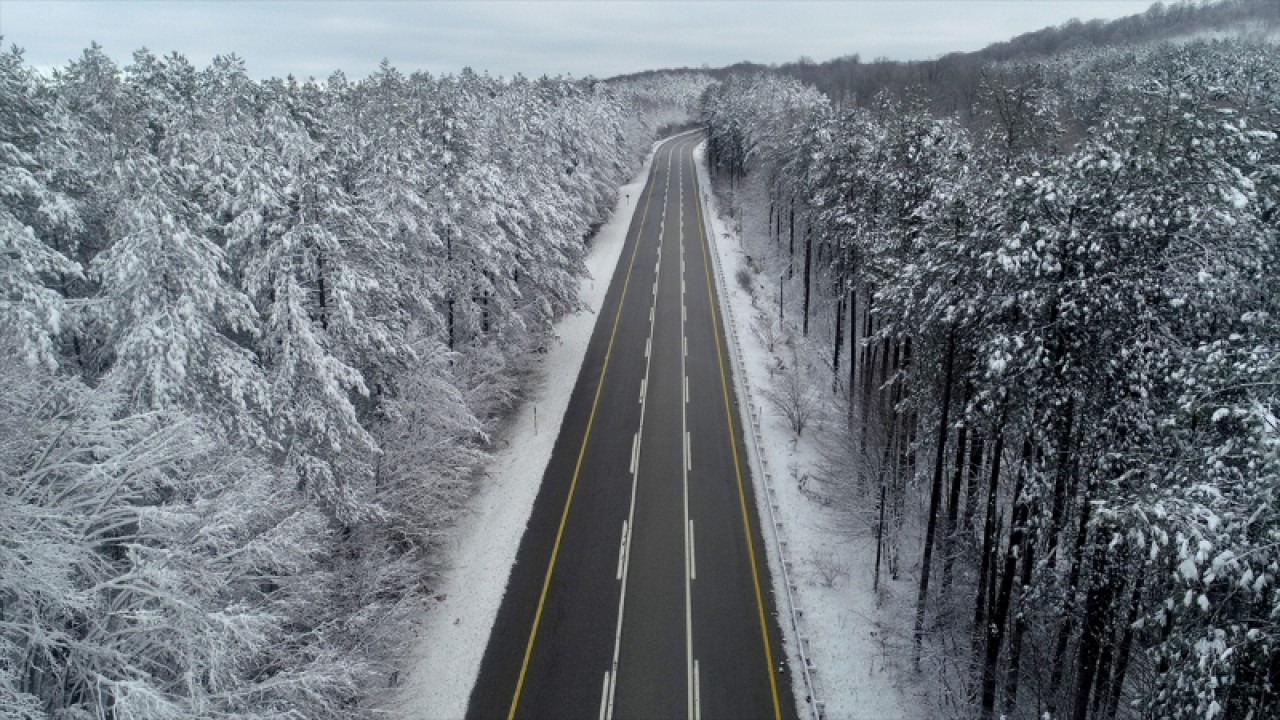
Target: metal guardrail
(742, 386)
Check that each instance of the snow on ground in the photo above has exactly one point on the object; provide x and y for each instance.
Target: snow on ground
(455, 631)
(859, 667)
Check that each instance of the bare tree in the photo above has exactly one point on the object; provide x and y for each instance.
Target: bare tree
(793, 396)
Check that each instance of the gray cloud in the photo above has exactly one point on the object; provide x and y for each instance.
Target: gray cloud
(533, 38)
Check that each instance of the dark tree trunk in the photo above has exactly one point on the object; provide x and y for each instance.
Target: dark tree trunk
(1126, 645)
(791, 240)
(868, 370)
(1000, 609)
(451, 325)
(448, 255)
(953, 509)
(1061, 486)
(1069, 608)
(875, 585)
(1027, 545)
(853, 349)
(909, 441)
(839, 341)
(322, 291)
(972, 482)
(890, 395)
(986, 567)
(1096, 621)
(808, 258)
(935, 493)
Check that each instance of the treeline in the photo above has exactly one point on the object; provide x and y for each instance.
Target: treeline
(1062, 374)
(254, 337)
(951, 82)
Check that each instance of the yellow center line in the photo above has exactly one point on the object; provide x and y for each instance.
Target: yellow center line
(573, 484)
(737, 469)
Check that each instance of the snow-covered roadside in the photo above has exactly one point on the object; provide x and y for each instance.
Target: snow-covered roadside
(843, 631)
(455, 631)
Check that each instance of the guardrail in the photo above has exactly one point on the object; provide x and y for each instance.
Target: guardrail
(742, 385)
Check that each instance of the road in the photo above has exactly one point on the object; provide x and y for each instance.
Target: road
(640, 588)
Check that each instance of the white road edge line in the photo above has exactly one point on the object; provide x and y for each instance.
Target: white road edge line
(697, 692)
(604, 696)
(693, 556)
(635, 440)
(622, 550)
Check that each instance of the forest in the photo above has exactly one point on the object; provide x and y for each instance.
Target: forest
(1051, 325)
(256, 340)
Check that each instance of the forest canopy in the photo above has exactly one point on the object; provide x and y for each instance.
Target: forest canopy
(256, 338)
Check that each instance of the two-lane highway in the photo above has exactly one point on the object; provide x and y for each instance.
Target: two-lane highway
(640, 588)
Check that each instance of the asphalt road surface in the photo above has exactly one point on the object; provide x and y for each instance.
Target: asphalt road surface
(640, 589)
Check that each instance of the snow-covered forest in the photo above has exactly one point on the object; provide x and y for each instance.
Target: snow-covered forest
(256, 337)
(1052, 324)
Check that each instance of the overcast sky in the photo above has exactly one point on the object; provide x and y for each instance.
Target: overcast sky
(534, 38)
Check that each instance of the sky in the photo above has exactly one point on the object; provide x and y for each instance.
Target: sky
(579, 38)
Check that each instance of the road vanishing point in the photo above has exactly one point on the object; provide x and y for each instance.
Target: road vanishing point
(640, 589)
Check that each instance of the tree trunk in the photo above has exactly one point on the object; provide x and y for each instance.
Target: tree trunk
(808, 262)
(853, 350)
(791, 240)
(1027, 550)
(935, 493)
(839, 340)
(988, 550)
(1126, 644)
(972, 480)
(892, 394)
(451, 325)
(1096, 621)
(1000, 610)
(875, 585)
(953, 509)
(1069, 607)
(986, 567)
(1060, 481)
(901, 371)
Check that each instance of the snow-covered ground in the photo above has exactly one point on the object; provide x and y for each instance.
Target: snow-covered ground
(454, 632)
(855, 670)
(858, 667)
